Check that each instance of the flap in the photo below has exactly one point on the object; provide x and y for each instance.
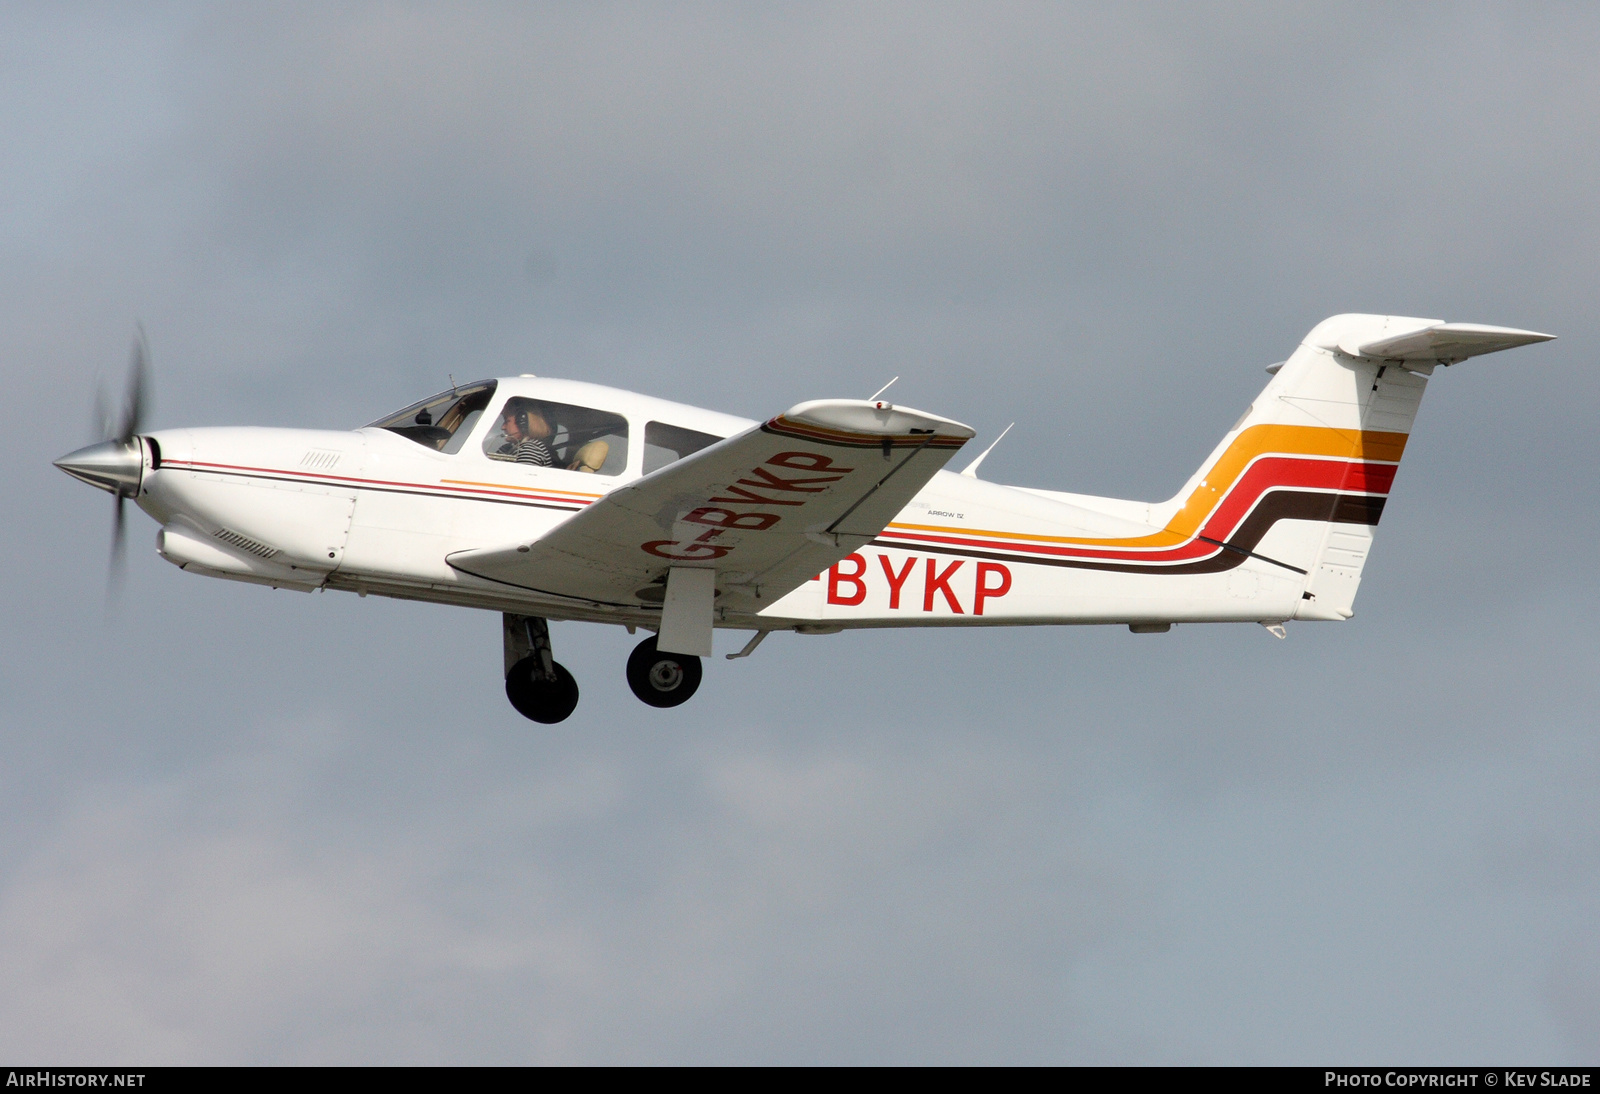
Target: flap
(767, 509)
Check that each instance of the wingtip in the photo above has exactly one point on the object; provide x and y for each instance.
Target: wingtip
(875, 419)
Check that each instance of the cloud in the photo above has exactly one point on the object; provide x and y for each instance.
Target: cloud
(239, 909)
(247, 826)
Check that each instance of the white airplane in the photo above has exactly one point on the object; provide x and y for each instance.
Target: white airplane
(554, 499)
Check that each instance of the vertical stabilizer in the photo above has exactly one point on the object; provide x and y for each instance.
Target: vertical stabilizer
(1301, 480)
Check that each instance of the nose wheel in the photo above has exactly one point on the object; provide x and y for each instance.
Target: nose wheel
(543, 699)
(538, 686)
(662, 679)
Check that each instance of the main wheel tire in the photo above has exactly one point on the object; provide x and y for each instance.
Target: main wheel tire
(546, 701)
(662, 679)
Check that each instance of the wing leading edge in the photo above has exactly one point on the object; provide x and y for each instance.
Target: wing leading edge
(765, 511)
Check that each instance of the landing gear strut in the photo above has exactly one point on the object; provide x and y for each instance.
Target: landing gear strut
(539, 687)
(662, 679)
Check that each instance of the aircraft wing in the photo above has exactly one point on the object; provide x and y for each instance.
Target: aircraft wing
(756, 515)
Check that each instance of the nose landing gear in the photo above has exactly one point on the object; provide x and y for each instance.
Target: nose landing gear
(662, 679)
(539, 687)
(543, 699)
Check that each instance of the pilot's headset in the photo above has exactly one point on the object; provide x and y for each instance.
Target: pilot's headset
(520, 416)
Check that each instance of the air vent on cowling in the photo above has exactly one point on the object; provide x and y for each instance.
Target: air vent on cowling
(245, 543)
(320, 459)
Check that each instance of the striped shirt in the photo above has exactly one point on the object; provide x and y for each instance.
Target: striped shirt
(533, 451)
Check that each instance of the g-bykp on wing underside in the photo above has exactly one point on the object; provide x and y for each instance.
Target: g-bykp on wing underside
(763, 511)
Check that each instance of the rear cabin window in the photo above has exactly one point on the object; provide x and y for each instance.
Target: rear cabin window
(559, 435)
(444, 421)
(664, 444)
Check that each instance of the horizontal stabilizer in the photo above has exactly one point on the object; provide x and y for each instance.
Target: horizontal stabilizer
(1447, 342)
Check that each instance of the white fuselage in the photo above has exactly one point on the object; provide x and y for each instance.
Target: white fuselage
(371, 511)
(553, 499)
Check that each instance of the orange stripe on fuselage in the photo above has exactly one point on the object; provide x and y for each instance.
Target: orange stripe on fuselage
(1258, 440)
(524, 489)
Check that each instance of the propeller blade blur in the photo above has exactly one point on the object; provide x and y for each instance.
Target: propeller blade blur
(101, 423)
(118, 562)
(115, 463)
(134, 407)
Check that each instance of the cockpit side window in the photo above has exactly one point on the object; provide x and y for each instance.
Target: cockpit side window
(559, 435)
(444, 421)
(664, 444)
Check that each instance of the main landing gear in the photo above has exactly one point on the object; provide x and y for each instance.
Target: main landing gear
(543, 690)
(539, 687)
(662, 679)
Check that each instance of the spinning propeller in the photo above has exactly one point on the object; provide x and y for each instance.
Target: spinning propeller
(116, 463)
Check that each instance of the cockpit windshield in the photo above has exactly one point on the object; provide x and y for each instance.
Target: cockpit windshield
(443, 421)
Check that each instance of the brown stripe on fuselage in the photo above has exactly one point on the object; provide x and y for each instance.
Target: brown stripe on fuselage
(1274, 506)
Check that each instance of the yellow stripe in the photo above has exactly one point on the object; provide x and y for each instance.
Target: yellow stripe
(526, 489)
(1258, 440)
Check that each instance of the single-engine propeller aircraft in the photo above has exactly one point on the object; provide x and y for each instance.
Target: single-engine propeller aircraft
(554, 499)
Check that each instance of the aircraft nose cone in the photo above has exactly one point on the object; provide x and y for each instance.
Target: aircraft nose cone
(109, 465)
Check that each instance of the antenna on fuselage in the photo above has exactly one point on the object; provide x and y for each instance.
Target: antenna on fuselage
(971, 470)
(882, 389)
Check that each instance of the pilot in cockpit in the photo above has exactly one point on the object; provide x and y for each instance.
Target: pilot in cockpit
(529, 435)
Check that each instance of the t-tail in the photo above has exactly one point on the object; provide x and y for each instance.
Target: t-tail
(1275, 525)
(1301, 481)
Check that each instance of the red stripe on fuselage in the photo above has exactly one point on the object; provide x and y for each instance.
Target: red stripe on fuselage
(1264, 475)
(274, 472)
(1300, 473)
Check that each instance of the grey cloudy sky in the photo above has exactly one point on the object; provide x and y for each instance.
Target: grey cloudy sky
(247, 826)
